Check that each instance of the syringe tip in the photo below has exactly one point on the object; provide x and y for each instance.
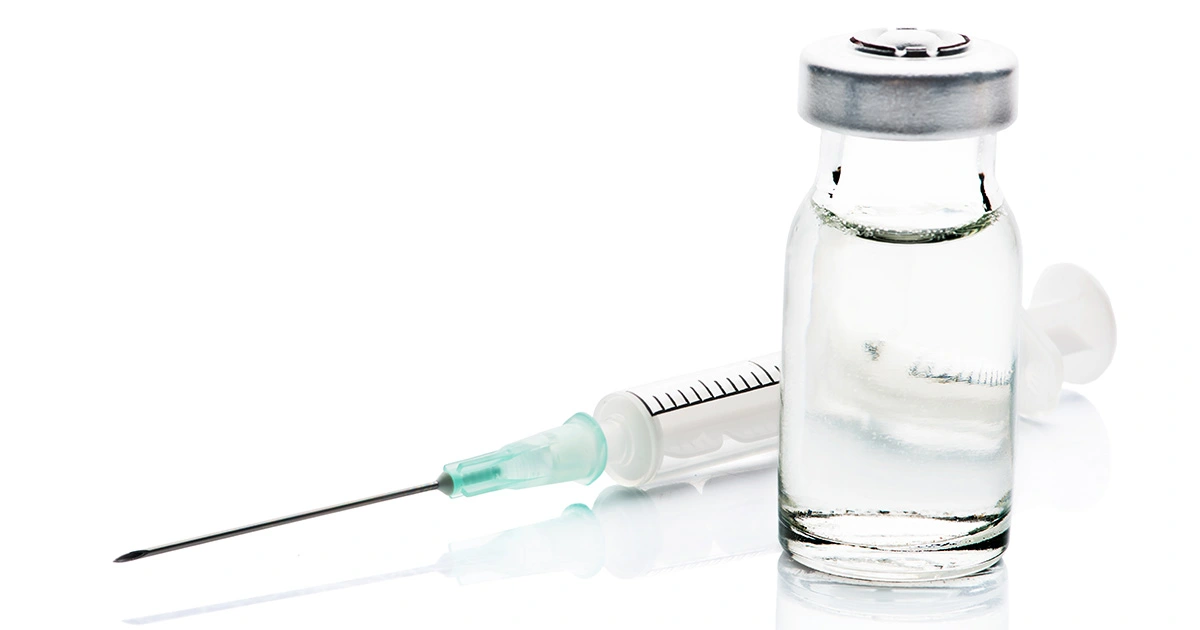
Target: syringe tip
(238, 531)
(132, 555)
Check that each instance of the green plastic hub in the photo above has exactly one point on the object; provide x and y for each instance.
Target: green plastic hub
(575, 451)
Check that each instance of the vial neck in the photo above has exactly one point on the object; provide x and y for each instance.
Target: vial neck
(860, 176)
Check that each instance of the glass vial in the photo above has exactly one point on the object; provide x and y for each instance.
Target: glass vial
(901, 312)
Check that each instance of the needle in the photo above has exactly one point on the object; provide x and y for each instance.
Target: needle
(246, 529)
(574, 451)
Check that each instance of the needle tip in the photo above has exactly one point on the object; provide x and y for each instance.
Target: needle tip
(132, 555)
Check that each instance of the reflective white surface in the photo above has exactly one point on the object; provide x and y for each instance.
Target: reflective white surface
(259, 256)
(712, 538)
(810, 599)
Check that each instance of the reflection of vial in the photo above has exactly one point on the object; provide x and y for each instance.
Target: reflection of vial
(808, 599)
(902, 304)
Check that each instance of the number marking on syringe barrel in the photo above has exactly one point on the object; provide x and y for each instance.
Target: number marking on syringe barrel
(722, 383)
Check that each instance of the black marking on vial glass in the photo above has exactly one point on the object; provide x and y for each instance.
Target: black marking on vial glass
(732, 384)
(698, 396)
(745, 381)
(987, 203)
(670, 398)
(707, 389)
(661, 407)
(720, 387)
(683, 396)
(837, 176)
(756, 379)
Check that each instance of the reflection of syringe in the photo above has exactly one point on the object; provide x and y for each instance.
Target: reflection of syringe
(632, 533)
(726, 419)
(629, 532)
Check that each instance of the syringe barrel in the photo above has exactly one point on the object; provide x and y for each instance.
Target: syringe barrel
(716, 421)
(727, 419)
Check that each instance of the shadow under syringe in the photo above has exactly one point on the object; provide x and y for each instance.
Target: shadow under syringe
(1062, 462)
(628, 532)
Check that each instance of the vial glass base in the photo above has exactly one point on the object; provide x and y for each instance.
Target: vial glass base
(980, 545)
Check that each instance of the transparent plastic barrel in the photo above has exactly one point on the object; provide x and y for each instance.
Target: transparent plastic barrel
(713, 422)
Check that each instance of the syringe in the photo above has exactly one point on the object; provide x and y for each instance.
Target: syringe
(727, 419)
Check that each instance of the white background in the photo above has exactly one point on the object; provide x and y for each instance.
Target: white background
(258, 257)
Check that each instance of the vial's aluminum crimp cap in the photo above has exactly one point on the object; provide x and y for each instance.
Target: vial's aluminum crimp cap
(908, 84)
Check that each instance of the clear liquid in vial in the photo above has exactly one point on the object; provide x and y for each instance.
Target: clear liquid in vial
(898, 396)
